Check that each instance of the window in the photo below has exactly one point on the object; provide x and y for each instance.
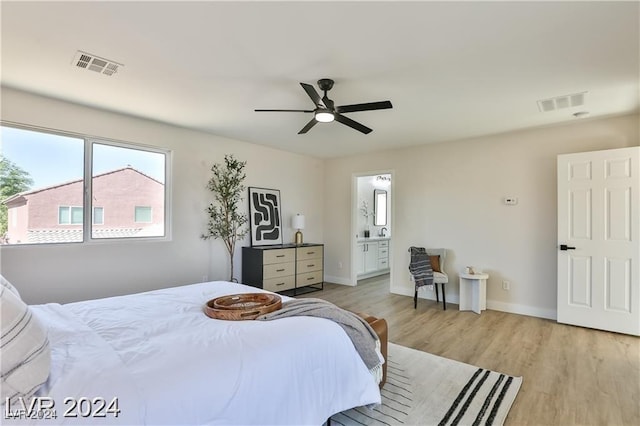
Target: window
(142, 214)
(70, 215)
(44, 183)
(130, 183)
(64, 218)
(98, 216)
(39, 172)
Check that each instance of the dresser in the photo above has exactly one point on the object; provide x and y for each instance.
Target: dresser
(293, 269)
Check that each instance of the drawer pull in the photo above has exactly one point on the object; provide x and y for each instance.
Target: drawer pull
(311, 266)
(311, 278)
(311, 252)
(279, 255)
(280, 284)
(279, 270)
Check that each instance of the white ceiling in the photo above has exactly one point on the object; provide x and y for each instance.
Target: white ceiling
(451, 69)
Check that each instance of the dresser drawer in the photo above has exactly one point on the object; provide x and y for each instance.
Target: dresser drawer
(383, 263)
(383, 253)
(275, 270)
(304, 253)
(309, 278)
(383, 243)
(309, 265)
(279, 284)
(279, 256)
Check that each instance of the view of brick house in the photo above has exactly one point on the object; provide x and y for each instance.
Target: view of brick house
(126, 203)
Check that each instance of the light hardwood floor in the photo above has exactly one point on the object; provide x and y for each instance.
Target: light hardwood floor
(572, 375)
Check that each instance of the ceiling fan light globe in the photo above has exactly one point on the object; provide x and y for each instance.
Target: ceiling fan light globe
(324, 116)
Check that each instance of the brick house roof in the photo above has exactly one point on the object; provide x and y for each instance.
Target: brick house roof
(71, 235)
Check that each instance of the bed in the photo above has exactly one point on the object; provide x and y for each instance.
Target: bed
(164, 362)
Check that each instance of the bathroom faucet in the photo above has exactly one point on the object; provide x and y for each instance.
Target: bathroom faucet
(382, 231)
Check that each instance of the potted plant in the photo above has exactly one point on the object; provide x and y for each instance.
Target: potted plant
(366, 213)
(225, 220)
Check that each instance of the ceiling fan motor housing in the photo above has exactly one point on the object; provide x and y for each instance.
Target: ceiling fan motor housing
(325, 84)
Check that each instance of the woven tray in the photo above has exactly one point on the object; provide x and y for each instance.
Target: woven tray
(242, 306)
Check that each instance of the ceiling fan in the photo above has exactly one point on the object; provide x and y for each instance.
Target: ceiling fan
(325, 111)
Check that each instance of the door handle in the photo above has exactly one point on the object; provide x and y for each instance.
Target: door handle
(566, 247)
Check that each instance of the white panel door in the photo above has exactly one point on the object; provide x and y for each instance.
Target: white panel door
(599, 240)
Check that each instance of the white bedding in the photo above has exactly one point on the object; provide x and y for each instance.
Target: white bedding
(168, 363)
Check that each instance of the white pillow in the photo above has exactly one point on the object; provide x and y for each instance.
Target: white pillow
(10, 286)
(26, 356)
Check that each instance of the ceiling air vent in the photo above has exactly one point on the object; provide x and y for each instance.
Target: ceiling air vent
(95, 63)
(559, 102)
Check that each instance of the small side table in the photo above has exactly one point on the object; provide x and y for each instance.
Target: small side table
(473, 292)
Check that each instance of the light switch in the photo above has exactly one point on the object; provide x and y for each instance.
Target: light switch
(510, 201)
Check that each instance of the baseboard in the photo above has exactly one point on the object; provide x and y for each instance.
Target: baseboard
(425, 294)
(338, 280)
(402, 291)
(530, 311)
(373, 274)
(512, 308)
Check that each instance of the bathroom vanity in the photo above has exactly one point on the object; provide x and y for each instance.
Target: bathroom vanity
(372, 256)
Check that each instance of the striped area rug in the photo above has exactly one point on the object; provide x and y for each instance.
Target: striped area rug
(425, 389)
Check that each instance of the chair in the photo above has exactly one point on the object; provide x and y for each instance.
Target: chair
(439, 277)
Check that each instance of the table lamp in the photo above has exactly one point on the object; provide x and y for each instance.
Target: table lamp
(297, 222)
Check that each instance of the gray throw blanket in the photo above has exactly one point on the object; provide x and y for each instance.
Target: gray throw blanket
(359, 331)
(420, 267)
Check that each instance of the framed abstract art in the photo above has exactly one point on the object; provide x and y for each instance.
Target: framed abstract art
(265, 220)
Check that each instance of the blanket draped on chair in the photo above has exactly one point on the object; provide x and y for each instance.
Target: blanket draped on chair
(420, 267)
(364, 338)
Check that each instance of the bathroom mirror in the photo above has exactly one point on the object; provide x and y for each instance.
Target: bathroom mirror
(379, 207)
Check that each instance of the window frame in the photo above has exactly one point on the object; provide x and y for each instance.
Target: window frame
(87, 223)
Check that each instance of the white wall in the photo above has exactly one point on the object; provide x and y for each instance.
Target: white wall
(70, 272)
(450, 195)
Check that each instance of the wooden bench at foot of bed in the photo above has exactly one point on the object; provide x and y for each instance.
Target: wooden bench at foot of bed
(379, 325)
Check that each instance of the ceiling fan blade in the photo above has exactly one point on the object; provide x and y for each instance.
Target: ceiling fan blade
(283, 110)
(309, 125)
(315, 97)
(364, 107)
(353, 124)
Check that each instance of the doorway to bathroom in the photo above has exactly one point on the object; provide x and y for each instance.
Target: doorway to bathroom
(371, 227)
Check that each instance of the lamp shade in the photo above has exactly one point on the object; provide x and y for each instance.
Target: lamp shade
(297, 222)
